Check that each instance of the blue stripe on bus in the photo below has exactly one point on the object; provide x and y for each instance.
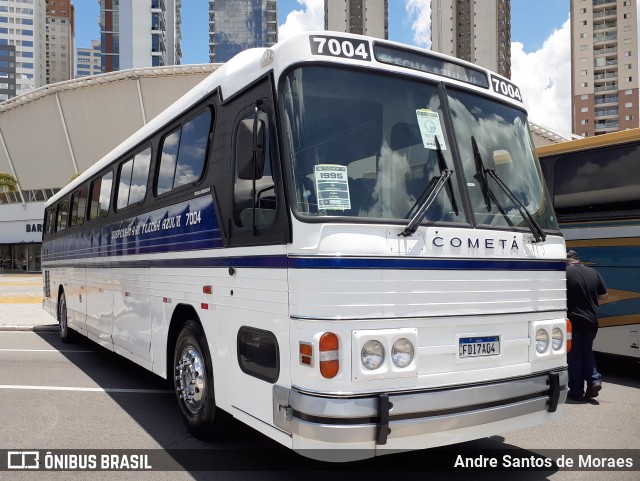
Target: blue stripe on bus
(423, 264)
(356, 263)
(623, 307)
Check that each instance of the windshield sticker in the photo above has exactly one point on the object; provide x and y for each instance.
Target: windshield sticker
(430, 128)
(332, 186)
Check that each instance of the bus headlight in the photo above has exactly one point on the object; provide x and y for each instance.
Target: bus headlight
(542, 340)
(557, 339)
(372, 355)
(402, 352)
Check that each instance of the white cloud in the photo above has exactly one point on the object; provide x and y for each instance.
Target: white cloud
(544, 78)
(310, 18)
(419, 12)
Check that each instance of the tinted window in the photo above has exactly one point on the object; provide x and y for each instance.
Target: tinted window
(258, 354)
(133, 179)
(62, 215)
(100, 196)
(50, 217)
(79, 206)
(183, 153)
(265, 198)
(597, 180)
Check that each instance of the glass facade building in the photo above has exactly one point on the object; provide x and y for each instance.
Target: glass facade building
(140, 33)
(236, 25)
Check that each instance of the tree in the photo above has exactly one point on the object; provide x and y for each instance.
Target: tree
(8, 183)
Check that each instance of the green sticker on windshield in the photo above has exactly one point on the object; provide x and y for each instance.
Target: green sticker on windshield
(430, 128)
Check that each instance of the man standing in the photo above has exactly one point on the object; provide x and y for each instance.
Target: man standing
(585, 288)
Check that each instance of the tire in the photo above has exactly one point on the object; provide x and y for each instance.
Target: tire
(193, 384)
(66, 334)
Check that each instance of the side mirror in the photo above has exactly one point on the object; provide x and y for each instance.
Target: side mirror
(245, 149)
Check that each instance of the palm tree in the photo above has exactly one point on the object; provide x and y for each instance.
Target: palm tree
(8, 183)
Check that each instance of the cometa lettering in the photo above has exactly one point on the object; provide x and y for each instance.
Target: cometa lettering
(475, 243)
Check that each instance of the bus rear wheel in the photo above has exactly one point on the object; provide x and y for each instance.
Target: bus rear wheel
(63, 320)
(193, 384)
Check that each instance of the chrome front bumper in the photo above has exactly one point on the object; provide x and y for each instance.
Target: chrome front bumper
(354, 419)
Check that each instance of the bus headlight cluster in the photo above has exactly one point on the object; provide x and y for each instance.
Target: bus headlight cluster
(384, 353)
(373, 354)
(548, 338)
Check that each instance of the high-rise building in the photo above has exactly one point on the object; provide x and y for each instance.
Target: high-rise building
(604, 66)
(364, 17)
(22, 26)
(60, 38)
(236, 25)
(7, 71)
(473, 30)
(139, 33)
(88, 60)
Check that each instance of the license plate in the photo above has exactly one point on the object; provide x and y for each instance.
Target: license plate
(479, 346)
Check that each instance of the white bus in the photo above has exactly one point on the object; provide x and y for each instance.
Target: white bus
(340, 241)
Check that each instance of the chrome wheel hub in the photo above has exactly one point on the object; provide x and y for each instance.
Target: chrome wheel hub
(190, 379)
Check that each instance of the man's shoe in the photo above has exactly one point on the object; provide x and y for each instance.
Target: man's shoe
(593, 390)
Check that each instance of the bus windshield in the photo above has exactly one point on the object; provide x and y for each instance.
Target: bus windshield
(373, 146)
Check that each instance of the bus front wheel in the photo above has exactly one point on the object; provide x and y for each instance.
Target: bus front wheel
(193, 383)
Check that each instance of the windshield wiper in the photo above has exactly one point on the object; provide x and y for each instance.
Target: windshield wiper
(535, 228)
(431, 192)
(481, 176)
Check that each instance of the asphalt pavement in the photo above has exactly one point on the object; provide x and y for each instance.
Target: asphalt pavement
(21, 304)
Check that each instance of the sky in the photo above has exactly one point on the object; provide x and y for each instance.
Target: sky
(540, 43)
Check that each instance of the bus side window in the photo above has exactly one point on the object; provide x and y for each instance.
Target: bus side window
(264, 197)
(50, 217)
(79, 206)
(62, 214)
(133, 179)
(183, 154)
(100, 196)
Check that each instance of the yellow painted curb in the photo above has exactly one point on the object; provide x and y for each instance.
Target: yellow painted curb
(20, 300)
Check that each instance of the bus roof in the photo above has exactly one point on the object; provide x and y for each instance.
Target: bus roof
(588, 143)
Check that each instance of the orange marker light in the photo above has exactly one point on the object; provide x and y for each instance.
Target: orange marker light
(569, 335)
(306, 354)
(207, 289)
(329, 355)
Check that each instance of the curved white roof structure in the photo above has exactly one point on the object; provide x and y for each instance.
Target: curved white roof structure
(56, 131)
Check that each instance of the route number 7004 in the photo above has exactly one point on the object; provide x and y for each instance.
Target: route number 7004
(340, 47)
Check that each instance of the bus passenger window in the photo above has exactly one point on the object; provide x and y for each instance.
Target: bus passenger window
(133, 179)
(79, 206)
(62, 214)
(183, 154)
(50, 227)
(100, 196)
